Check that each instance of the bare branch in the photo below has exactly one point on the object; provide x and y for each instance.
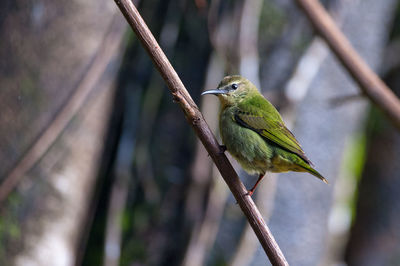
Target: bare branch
(196, 120)
(370, 84)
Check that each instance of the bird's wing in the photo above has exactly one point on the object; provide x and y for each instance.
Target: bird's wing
(273, 129)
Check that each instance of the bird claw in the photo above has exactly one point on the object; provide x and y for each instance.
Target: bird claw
(222, 149)
(249, 193)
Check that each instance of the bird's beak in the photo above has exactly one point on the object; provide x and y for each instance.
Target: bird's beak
(215, 92)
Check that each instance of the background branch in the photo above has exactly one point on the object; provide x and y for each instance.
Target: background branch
(371, 85)
(195, 118)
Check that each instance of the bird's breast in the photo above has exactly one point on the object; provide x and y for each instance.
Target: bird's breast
(247, 146)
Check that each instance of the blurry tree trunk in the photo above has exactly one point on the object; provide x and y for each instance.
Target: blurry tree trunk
(375, 234)
(302, 205)
(206, 180)
(248, 41)
(195, 118)
(49, 49)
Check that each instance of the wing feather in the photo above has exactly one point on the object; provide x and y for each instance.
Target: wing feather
(270, 126)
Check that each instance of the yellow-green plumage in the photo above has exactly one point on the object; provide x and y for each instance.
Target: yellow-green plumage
(254, 133)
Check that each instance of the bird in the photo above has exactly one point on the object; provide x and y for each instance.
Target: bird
(253, 132)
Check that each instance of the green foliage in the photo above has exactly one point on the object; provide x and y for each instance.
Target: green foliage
(272, 22)
(354, 161)
(354, 158)
(137, 224)
(395, 33)
(10, 231)
(376, 122)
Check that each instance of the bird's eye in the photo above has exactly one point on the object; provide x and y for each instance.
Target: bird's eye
(234, 86)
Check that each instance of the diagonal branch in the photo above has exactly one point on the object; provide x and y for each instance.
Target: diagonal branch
(196, 120)
(370, 84)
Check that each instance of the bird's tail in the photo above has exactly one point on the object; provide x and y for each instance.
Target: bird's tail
(306, 167)
(315, 173)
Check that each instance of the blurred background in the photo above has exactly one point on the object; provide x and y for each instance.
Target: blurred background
(99, 167)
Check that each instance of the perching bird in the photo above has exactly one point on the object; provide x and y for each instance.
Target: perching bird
(252, 131)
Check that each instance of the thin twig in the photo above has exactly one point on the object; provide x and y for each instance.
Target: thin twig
(196, 120)
(370, 84)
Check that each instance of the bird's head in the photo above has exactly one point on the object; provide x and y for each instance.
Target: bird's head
(233, 89)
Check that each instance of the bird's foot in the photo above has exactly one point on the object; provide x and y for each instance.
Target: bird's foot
(250, 192)
(222, 149)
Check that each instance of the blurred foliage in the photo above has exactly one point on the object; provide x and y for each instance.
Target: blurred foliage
(395, 31)
(154, 231)
(374, 234)
(10, 231)
(272, 22)
(353, 163)
(164, 144)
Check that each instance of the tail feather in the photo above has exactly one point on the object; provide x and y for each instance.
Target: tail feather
(315, 173)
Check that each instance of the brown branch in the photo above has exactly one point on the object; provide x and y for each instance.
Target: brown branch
(370, 84)
(196, 120)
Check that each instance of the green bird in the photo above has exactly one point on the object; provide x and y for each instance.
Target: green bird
(253, 131)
